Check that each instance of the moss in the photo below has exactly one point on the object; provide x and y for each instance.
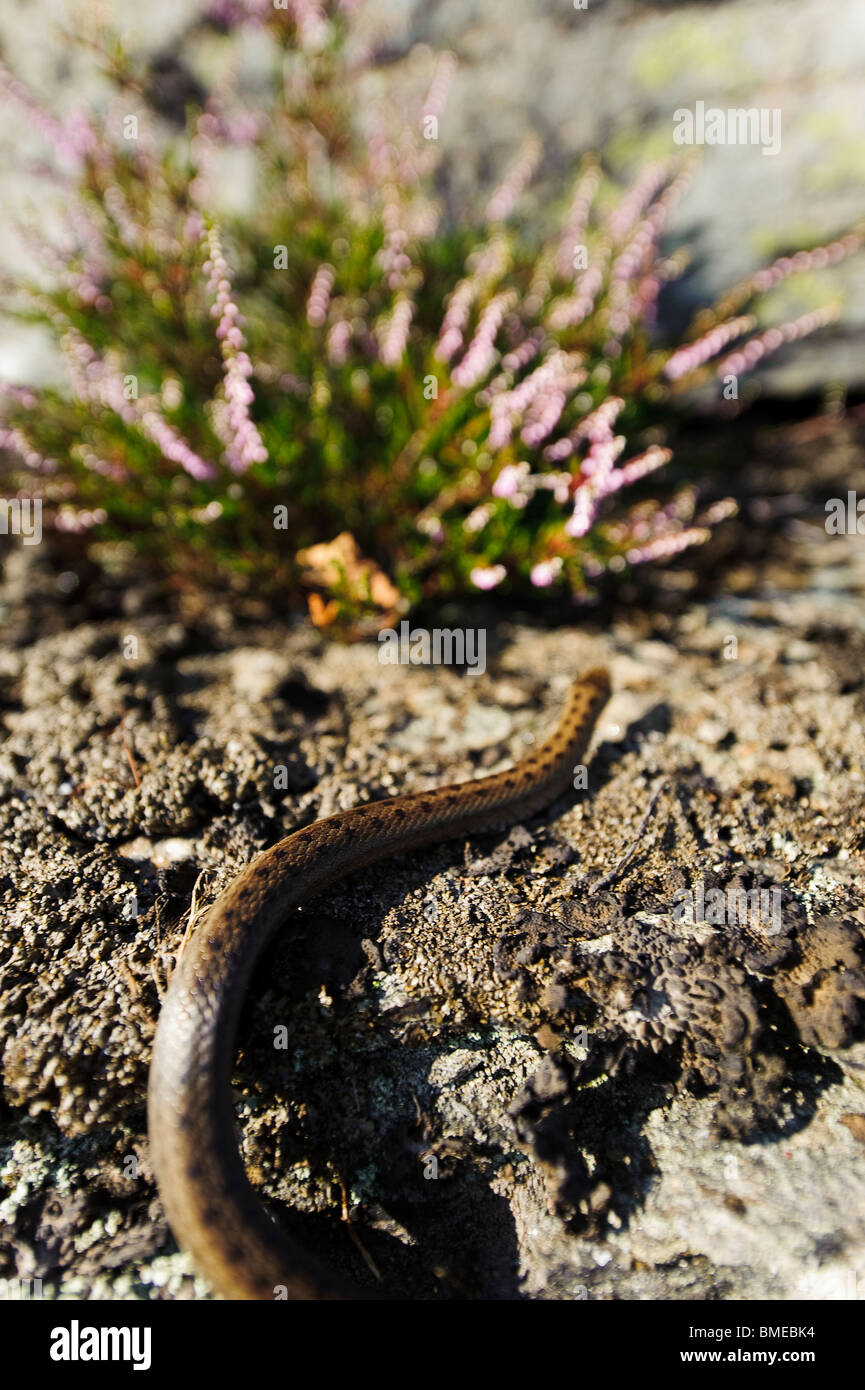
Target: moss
(707, 51)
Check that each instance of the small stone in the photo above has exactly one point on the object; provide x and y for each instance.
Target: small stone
(712, 731)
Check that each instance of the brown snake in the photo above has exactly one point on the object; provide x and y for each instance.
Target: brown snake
(213, 1210)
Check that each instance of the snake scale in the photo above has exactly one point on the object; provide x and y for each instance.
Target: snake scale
(211, 1206)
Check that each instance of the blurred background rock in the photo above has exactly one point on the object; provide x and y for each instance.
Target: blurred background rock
(608, 77)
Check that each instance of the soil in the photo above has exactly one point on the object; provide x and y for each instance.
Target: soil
(504, 1068)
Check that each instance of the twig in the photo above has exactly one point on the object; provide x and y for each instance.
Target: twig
(130, 758)
(628, 855)
(346, 1217)
(194, 914)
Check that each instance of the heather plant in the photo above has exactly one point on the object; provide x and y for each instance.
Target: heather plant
(335, 391)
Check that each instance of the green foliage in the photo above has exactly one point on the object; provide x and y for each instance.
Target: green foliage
(359, 426)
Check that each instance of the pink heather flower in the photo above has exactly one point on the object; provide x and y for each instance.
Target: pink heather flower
(539, 286)
(218, 122)
(688, 358)
(232, 13)
(212, 512)
(481, 354)
(575, 222)
(411, 164)
(745, 358)
(627, 302)
(477, 519)
(545, 410)
(79, 520)
(637, 468)
(21, 394)
(391, 175)
(600, 459)
(131, 232)
(493, 388)
(582, 517)
(719, 511)
(17, 442)
(487, 577)
(637, 251)
(95, 382)
(643, 304)
(572, 310)
(431, 526)
(454, 322)
(550, 383)
(392, 257)
(72, 142)
(659, 214)
(665, 546)
(831, 254)
(396, 333)
(294, 385)
(489, 262)
(312, 25)
(543, 574)
(422, 220)
(527, 350)
(338, 341)
(244, 445)
(319, 296)
(193, 228)
(638, 197)
(559, 484)
(379, 152)
(542, 417)
(437, 95)
(96, 464)
(242, 128)
(679, 508)
(503, 201)
(518, 484)
(92, 381)
(173, 445)
(510, 480)
(596, 427)
(596, 475)
(485, 269)
(202, 149)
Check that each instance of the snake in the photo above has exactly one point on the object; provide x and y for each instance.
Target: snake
(212, 1208)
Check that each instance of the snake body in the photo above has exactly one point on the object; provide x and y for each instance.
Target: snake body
(211, 1206)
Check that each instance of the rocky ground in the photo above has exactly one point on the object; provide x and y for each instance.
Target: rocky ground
(608, 77)
(512, 1069)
